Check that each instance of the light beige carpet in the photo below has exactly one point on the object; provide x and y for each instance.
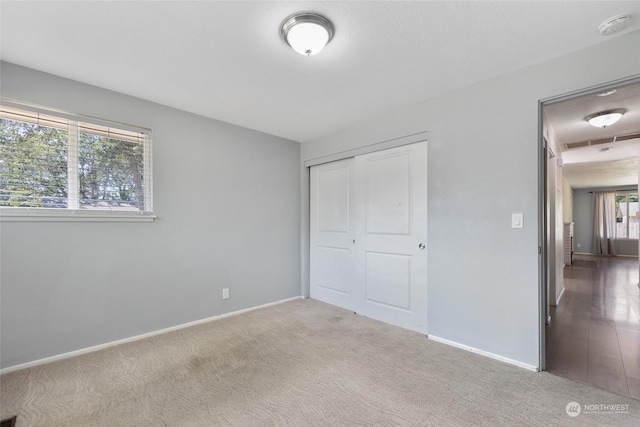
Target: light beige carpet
(299, 363)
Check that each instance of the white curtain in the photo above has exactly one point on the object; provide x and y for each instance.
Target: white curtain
(604, 223)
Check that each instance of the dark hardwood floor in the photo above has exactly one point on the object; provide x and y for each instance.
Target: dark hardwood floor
(594, 335)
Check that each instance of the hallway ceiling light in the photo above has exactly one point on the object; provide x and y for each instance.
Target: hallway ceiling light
(307, 33)
(605, 118)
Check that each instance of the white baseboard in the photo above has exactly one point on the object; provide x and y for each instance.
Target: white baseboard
(560, 296)
(485, 353)
(589, 254)
(135, 338)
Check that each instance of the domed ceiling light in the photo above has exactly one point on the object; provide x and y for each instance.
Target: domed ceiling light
(605, 118)
(307, 33)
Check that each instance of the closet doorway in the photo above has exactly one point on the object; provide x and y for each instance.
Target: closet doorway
(368, 231)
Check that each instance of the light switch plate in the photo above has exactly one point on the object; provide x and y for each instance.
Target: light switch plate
(517, 220)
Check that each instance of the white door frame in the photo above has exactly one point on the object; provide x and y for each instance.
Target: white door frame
(543, 252)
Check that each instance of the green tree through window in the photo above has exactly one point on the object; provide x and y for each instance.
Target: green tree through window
(53, 162)
(111, 172)
(33, 165)
(627, 224)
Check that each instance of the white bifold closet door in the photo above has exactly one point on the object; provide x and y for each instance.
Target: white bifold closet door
(368, 219)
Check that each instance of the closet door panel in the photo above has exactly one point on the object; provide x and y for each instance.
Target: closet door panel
(390, 219)
(331, 251)
(368, 235)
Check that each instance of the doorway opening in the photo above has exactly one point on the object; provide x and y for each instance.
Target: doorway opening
(589, 294)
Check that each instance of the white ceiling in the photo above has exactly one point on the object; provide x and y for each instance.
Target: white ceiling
(601, 165)
(611, 173)
(226, 60)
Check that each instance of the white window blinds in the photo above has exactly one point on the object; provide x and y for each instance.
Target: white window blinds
(62, 161)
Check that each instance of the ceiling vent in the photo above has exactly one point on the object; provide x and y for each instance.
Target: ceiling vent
(591, 142)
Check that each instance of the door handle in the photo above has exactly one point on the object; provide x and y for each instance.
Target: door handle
(421, 246)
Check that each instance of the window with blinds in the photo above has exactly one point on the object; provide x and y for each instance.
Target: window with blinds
(627, 220)
(66, 162)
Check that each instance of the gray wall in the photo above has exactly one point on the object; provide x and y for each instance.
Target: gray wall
(483, 156)
(227, 200)
(583, 223)
(567, 201)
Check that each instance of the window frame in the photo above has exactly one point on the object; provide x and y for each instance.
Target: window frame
(626, 194)
(73, 213)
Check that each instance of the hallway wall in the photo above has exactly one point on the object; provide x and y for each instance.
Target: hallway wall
(583, 223)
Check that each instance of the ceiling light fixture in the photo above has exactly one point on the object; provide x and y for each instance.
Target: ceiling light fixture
(307, 33)
(605, 118)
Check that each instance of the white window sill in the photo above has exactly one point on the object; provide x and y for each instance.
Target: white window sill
(71, 215)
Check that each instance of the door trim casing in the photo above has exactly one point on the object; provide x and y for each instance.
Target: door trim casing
(542, 241)
(370, 148)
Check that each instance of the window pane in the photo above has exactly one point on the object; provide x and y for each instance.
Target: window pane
(621, 216)
(33, 165)
(111, 173)
(633, 216)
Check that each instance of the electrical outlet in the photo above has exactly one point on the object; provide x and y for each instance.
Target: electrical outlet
(578, 245)
(225, 293)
